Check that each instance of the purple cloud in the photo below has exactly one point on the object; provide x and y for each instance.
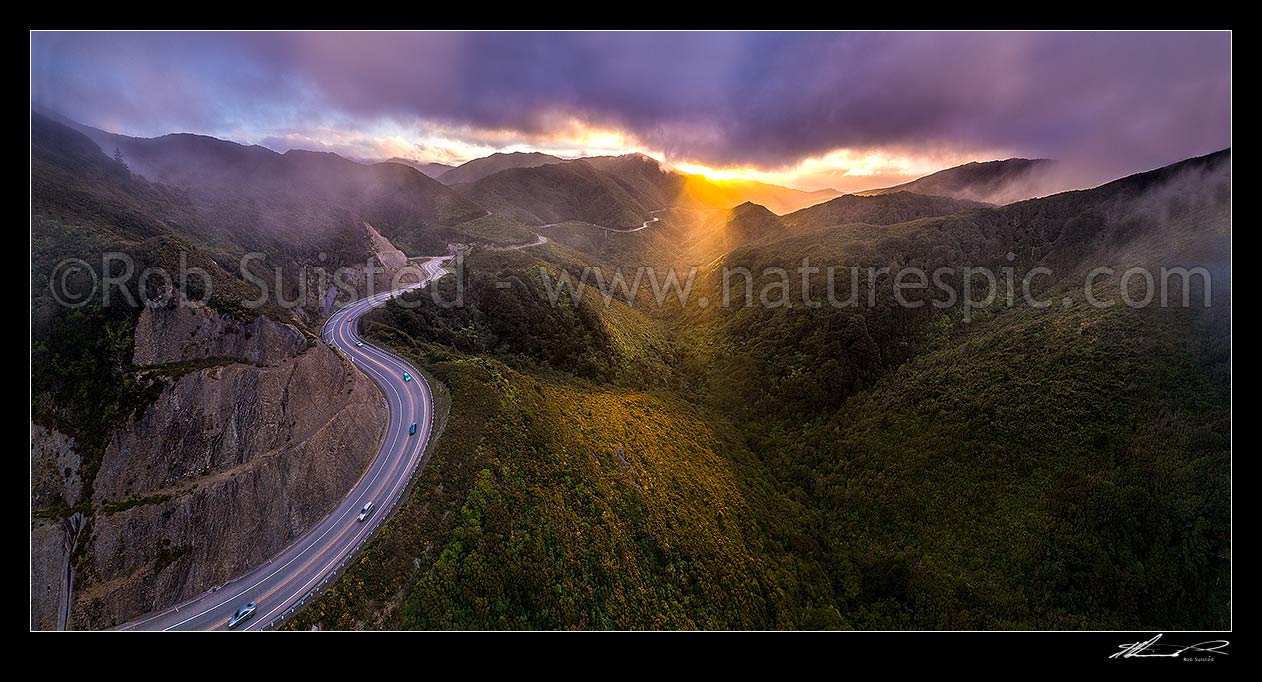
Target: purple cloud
(1126, 101)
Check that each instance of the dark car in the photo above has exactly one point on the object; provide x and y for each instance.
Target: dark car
(412, 431)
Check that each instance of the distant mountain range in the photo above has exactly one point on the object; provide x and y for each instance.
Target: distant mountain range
(256, 197)
(992, 182)
(778, 199)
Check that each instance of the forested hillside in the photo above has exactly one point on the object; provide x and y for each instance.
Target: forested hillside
(890, 467)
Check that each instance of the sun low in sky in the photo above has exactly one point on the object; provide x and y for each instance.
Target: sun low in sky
(848, 111)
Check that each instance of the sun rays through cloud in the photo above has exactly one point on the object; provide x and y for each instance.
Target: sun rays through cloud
(810, 110)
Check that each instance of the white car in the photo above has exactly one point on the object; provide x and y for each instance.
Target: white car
(241, 614)
(359, 344)
(365, 512)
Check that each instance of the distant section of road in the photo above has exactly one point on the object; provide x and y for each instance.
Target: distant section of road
(645, 224)
(284, 584)
(514, 247)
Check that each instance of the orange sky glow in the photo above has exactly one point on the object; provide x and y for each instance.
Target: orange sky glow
(846, 170)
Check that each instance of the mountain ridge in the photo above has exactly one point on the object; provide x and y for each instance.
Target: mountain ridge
(993, 182)
(297, 193)
(476, 169)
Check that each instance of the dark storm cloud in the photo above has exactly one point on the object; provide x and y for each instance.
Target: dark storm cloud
(1127, 100)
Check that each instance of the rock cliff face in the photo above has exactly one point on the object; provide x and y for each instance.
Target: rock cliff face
(55, 479)
(229, 465)
(54, 469)
(390, 257)
(48, 565)
(180, 334)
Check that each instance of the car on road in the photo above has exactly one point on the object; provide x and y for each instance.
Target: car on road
(359, 344)
(407, 377)
(241, 614)
(412, 431)
(365, 512)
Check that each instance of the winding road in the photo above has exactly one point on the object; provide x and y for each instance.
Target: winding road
(282, 585)
(643, 225)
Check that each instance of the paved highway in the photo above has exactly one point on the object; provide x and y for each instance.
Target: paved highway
(643, 225)
(285, 583)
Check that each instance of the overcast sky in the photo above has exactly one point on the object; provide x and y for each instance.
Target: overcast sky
(847, 110)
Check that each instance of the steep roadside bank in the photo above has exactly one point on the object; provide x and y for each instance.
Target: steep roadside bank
(254, 437)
